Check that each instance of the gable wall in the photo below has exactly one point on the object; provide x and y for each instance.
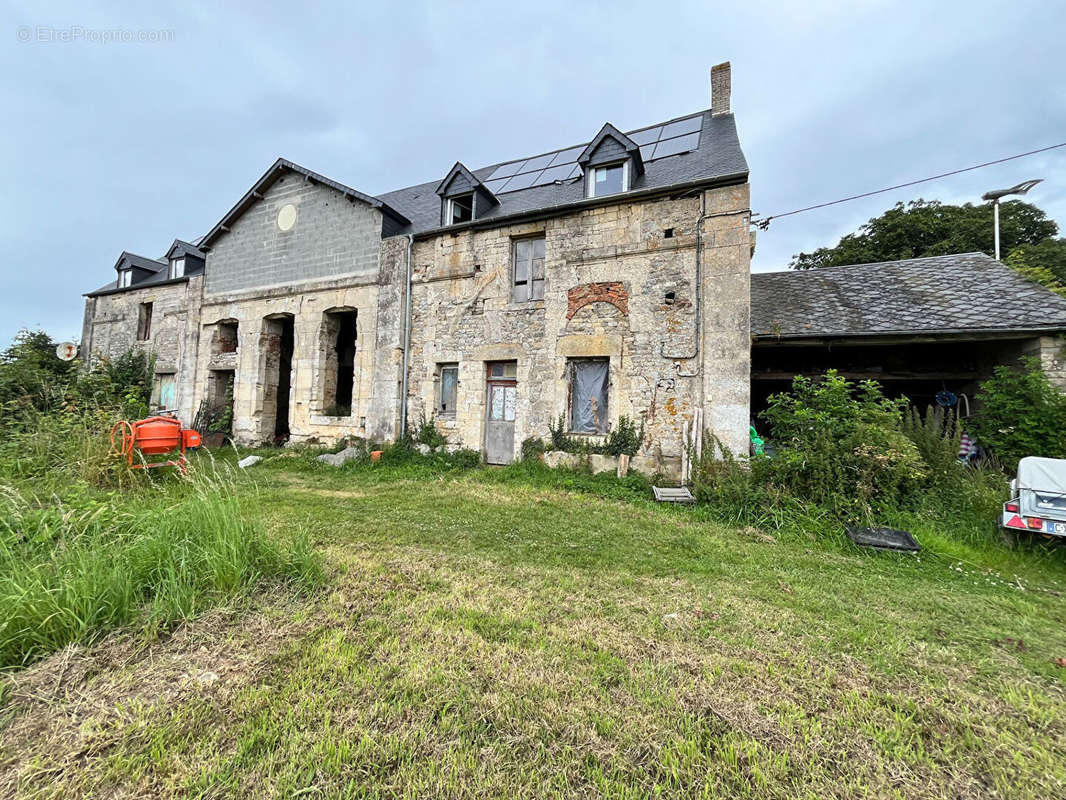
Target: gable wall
(332, 237)
(459, 184)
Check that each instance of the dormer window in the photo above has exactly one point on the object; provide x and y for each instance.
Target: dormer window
(177, 268)
(609, 179)
(125, 278)
(460, 208)
(463, 197)
(612, 163)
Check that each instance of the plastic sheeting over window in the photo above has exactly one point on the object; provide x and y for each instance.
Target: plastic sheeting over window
(588, 396)
(449, 379)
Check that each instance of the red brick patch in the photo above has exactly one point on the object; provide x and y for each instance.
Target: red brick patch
(613, 292)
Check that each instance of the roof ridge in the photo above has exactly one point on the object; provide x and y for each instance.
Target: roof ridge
(583, 144)
(815, 270)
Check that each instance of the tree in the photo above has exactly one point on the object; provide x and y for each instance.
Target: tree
(931, 228)
(1043, 262)
(1020, 414)
(30, 365)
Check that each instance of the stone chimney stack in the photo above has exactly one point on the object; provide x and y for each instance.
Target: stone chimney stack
(720, 80)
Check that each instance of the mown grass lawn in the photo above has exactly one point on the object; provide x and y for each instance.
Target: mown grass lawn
(485, 637)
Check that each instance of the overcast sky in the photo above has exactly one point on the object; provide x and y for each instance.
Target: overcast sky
(126, 145)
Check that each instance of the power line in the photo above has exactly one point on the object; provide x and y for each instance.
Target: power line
(763, 224)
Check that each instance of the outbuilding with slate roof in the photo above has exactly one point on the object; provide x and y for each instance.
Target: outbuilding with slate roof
(919, 326)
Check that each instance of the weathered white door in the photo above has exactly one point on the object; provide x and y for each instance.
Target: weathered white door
(501, 401)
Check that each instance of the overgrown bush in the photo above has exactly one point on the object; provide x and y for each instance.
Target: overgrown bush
(427, 433)
(845, 454)
(533, 448)
(1020, 414)
(624, 438)
(34, 382)
(841, 445)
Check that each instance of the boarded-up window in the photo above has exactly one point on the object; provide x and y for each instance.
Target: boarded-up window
(528, 269)
(449, 383)
(588, 395)
(163, 392)
(144, 322)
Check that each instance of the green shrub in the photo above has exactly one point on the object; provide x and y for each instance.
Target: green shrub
(428, 434)
(937, 436)
(29, 368)
(462, 459)
(533, 448)
(1020, 414)
(559, 439)
(840, 445)
(624, 438)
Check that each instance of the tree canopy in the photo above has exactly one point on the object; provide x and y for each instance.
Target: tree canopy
(931, 228)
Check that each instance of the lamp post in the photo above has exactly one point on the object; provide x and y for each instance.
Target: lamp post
(995, 196)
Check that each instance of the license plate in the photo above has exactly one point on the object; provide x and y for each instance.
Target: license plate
(1056, 527)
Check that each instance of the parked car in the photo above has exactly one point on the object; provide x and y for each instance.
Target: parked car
(1038, 498)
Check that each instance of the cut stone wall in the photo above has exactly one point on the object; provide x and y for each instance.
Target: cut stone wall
(727, 247)
(620, 283)
(256, 377)
(1051, 350)
(333, 258)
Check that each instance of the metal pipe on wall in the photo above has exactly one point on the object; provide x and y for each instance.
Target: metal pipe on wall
(406, 340)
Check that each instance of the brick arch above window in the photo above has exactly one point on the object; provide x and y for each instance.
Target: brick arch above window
(612, 292)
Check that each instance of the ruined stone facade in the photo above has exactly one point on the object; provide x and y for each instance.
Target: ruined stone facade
(111, 328)
(620, 283)
(596, 282)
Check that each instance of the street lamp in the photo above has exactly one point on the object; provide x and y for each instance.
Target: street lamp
(994, 196)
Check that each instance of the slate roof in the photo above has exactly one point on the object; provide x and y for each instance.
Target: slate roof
(183, 248)
(157, 266)
(141, 262)
(966, 293)
(717, 158)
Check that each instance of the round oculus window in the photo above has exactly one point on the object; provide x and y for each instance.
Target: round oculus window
(287, 217)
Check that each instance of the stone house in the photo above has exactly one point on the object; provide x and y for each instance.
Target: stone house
(583, 284)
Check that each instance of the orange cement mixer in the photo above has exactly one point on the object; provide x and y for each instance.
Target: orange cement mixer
(154, 436)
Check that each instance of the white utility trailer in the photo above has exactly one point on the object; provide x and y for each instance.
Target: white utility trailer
(1038, 498)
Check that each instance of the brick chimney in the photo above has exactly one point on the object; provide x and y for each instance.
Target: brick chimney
(720, 89)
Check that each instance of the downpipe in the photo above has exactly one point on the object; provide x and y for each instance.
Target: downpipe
(406, 340)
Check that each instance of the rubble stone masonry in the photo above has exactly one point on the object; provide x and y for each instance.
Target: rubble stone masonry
(620, 283)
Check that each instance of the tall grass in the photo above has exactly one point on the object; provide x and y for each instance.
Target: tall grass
(74, 568)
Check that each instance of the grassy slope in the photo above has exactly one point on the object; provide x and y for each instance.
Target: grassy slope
(480, 637)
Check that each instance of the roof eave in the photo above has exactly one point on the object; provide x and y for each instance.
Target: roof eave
(587, 202)
(136, 286)
(807, 338)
